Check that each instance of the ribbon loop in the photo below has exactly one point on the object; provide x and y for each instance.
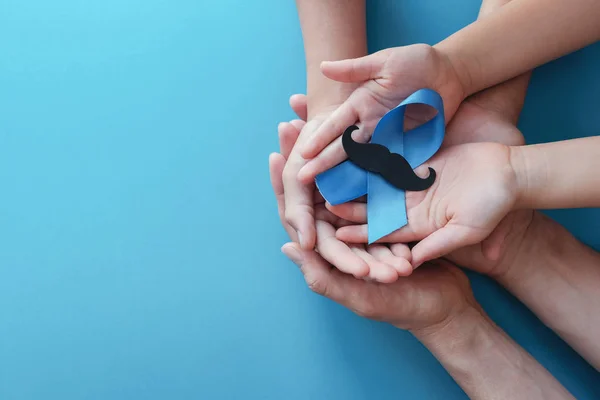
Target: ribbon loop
(386, 205)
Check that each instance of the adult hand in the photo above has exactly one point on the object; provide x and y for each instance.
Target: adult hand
(426, 300)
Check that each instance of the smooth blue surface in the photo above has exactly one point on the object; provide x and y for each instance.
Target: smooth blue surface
(139, 241)
(386, 204)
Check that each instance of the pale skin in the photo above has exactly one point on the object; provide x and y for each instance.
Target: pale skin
(535, 258)
(478, 184)
(333, 30)
(364, 88)
(483, 54)
(520, 239)
(437, 306)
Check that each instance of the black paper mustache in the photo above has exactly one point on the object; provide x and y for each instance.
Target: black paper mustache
(378, 159)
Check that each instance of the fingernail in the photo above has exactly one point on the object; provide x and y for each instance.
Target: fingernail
(292, 254)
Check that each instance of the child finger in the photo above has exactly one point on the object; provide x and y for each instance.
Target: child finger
(298, 124)
(401, 250)
(288, 135)
(378, 271)
(338, 253)
(439, 244)
(331, 128)
(353, 211)
(401, 265)
(298, 102)
(276, 164)
(332, 155)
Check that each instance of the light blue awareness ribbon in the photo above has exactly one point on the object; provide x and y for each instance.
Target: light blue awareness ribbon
(386, 205)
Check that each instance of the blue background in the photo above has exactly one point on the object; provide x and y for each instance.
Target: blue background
(139, 240)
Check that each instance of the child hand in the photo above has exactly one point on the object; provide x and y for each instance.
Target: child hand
(476, 187)
(376, 262)
(387, 78)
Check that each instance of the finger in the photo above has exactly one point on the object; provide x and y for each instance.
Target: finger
(326, 281)
(353, 211)
(378, 270)
(276, 165)
(400, 265)
(299, 206)
(469, 256)
(355, 69)
(324, 214)
(317, 272)
(298, 102)
(329, 157)
(338, 253)
(333, 127)
(288, 135)
(298, 124)
(360, 234)
(401, 250)
(440, 243)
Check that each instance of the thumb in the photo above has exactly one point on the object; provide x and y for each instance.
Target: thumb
(355, 69)
(298, 102)
(440, 243)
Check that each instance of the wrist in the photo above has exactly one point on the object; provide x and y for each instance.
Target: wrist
(326, 97)
(459, 67)
(482, 359)
(462, 343)
(518, 158)
(532, 239)
(452, 333)
(543, 242)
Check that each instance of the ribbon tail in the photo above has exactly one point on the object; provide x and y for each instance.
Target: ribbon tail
(386, 208)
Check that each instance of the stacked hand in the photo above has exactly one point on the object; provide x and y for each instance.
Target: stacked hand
(430, 297)
(385, 79)
(486, 117)
(376, 262)
(379, 82)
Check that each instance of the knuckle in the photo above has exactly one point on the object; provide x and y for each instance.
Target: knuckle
(317, 285)
(289, 216)
(288, 172)
(367, 310)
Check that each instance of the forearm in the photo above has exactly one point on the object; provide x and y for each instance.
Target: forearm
(558, 278)
(558, 175)
(332, 30)
(519, 37)
(487, 364)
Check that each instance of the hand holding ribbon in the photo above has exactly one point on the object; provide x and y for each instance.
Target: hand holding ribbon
(475, 189)
(386, 202)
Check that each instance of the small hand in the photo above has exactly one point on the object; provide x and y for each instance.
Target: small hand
(387, 77)
(490, 116)
(375, 262)
(475, 189)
